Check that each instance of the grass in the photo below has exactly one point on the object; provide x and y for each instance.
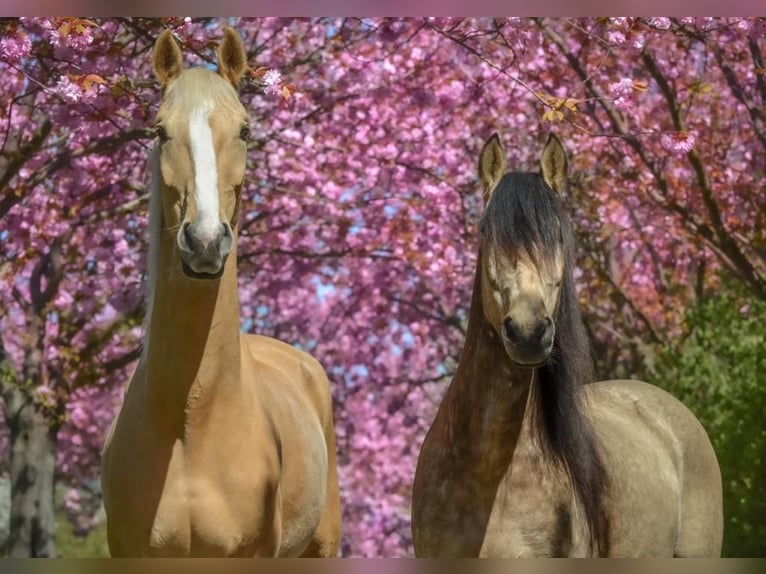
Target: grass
(70, 545)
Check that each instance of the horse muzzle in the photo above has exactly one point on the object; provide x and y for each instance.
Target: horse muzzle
(203, 254)
(529, 345)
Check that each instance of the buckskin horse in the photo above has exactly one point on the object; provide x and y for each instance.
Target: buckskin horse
(526, 459)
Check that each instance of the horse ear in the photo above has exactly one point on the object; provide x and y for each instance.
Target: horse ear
(167, 58)
(232, 59)
(492, 165)
(554, 164)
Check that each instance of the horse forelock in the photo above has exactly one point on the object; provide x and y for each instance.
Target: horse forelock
(524, 218)
(199, 88)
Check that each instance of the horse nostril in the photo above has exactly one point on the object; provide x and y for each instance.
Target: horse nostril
(544, 331)
(510, 330)
(225, 240)
(191, 241)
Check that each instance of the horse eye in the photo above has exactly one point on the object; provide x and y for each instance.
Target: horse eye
(244, 133)
(161, 134)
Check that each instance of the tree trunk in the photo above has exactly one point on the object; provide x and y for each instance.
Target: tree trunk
(33, 452)
(33, 427)
(33, 460)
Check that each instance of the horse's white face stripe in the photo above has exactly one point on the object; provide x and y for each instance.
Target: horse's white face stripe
(205, 174)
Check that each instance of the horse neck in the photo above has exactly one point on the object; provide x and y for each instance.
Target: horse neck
(193, 337)
(486, 402)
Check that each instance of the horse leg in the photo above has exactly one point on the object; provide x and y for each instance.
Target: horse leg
(326, 539)
(701, 528)
(116, 549)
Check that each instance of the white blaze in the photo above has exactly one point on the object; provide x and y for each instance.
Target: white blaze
(205, 175)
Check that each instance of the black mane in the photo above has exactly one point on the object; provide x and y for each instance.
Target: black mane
(524, 216)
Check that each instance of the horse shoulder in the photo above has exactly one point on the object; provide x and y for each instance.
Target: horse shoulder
(657, 453)
(648, 407)
(298, 399)
(299, 371)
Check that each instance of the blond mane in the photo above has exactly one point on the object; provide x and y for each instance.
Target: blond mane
(155, 227)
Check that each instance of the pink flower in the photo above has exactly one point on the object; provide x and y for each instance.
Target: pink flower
(677, 142)
(615, 37)
(184, 27)
(660, 23)
(14, 49)
(272, 80)
(623, 103)
(72, 500)
(622, 88)
(44, 390)
(73, 92)
(68, 90)
(744, 24)
(80, 41)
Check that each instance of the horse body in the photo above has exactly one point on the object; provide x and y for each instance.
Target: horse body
(224, 444)
(524, 457)
(663, 480)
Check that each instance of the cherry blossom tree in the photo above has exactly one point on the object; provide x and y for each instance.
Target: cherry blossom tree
(358, 234)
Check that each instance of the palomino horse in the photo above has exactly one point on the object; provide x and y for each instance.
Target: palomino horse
(522, 459)
(224, 445)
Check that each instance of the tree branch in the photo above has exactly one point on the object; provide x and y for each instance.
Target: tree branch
(17, 160)
(755, 111)
(337, 254)
(51, 268)
(716, 237)
(723, 237)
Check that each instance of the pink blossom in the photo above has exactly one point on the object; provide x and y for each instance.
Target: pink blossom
(272, 81)
(744, 24)
(677, 142)
(44, 390)
(70, 91)
(184, 26)
(623, 87)
(616, 37)
(623, 103)
(660, 23)
(15, 48)
(80, 41)
(72, 499)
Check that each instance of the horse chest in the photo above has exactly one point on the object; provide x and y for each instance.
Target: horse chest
(197, 514)
(173, 500)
